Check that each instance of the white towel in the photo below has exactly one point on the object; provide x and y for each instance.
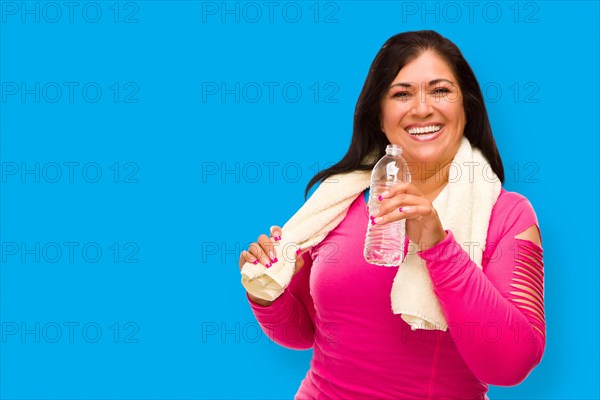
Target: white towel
(464, 206)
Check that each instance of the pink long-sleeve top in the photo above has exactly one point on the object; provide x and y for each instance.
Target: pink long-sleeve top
(340, 305)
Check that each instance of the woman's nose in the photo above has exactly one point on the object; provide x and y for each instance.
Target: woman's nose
(421, 107)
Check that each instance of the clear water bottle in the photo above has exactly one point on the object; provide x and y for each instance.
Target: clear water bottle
(384, 244)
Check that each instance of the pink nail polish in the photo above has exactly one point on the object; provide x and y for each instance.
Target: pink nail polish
(400, 209)
(380, 198)
(255, 262)
(277, 238)
(372, 222)
(268, 265)
(274, 260)
(298, 251)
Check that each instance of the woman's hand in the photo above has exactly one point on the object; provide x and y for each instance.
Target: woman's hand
(263, 251)
(405, 201)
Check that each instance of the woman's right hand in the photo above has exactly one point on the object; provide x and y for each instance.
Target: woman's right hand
(263, 251)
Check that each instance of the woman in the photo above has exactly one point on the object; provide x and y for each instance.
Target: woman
(421, 95)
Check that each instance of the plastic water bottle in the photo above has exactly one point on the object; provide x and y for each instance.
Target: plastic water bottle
(384, 244)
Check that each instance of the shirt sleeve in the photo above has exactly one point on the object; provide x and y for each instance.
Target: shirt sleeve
(288, 321)
(496, 315)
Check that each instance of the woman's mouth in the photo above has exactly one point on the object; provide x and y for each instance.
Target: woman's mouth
(425, 132)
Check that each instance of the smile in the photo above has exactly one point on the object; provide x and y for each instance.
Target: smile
(425, 133)
(424, 130)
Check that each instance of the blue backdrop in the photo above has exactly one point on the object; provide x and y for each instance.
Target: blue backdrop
(144, 144)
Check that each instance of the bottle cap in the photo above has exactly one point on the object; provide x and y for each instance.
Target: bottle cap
(393, 150)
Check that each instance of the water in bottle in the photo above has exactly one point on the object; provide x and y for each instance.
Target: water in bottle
(384, 244)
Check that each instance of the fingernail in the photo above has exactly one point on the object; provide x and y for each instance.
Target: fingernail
(400, 209)
(377, 220)
(274, 260)
(271, 255)
(268, 265)
(264, 261)
(380, 198)
(255, 262)
(372, 222)
(298, 251)
(277, 238)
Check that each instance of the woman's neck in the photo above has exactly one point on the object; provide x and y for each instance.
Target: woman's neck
(431, 178)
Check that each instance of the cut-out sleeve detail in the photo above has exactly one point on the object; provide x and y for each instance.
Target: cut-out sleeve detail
(506, 296)
(528, 283)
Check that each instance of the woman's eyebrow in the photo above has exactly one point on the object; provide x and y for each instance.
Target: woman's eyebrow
(402, 84)
(436, 81)
(431, 83)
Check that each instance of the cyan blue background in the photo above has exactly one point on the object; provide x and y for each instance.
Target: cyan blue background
(196, 336)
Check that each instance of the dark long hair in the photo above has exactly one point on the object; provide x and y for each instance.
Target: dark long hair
(395, 53)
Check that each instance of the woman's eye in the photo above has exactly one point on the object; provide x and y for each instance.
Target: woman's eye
(401, 94)
(440, 91)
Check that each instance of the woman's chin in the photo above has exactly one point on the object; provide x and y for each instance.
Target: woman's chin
(426, 158)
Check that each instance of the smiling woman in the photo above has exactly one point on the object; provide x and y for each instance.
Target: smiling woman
(427, 119)
(467, 307)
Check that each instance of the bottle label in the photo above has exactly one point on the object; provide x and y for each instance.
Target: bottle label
(391, 171)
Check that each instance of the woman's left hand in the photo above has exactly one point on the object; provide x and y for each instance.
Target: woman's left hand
(423, 225)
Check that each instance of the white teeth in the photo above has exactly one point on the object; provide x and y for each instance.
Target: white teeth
(424, 129)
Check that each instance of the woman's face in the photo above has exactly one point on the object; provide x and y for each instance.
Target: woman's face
(423, 113)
